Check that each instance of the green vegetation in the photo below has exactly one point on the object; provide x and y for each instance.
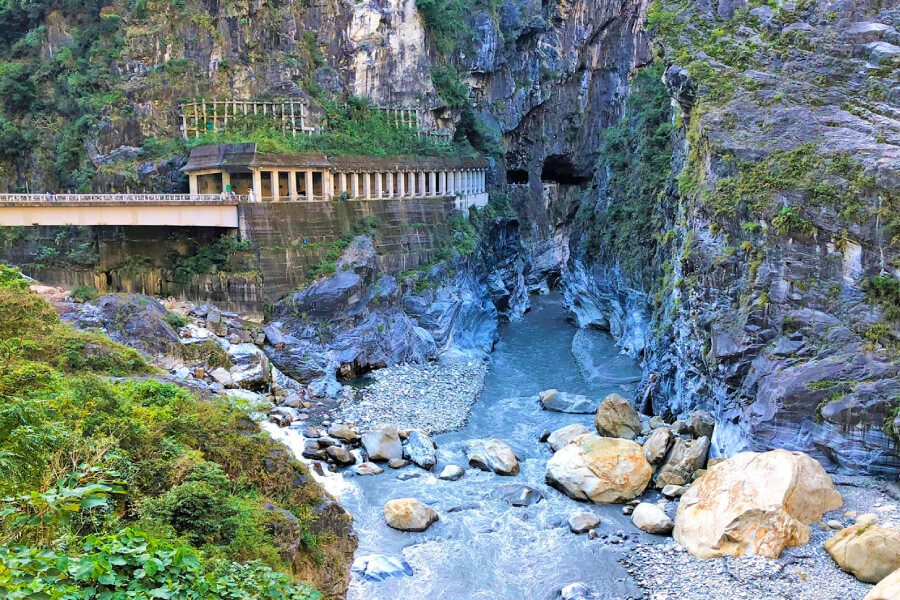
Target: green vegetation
(216, 257)
(354, 127)
(83, 293)
(449, 86)
(365, 225)
(132, 487)
(884, 291)
(637, 154)
(446, 21)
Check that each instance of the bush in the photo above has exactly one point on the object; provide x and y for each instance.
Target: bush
(83, 293)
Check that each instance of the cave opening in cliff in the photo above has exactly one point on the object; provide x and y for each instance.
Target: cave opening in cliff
(559, 168)
(516, 176)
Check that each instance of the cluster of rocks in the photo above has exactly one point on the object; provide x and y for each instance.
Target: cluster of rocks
(435, 397)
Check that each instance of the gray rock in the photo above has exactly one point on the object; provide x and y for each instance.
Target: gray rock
(583, 521)
(557, 401)
(451, 473)
(701, 424)
(420, 450)
(657, 445)
(682, 461)
(383, 443)
(518, 494)
(340, 455)
(492, 455)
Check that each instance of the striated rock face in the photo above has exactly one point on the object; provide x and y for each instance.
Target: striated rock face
(754, 505)
(869, 552)
(599, 469)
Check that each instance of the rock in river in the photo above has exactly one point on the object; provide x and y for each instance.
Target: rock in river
(599, 469)
(616, 417)
(651, 518)
(409, 514)
(568, 403)
(492, 455)
(754, 504)
(518, 494)
(368, 468)
(561, 436)
(582, 522)
(420, 449)
(378, 567)
(869, 552)
(451, 473)
(383, 443)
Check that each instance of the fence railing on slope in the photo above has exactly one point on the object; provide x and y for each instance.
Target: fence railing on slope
(51, 198)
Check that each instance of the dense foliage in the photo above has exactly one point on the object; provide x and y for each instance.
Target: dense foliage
(637, 153)
(354, 127)
(131, 487)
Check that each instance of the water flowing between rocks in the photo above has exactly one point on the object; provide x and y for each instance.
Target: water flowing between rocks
(482, 547)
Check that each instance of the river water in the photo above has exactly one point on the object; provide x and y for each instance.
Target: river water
(482, 548)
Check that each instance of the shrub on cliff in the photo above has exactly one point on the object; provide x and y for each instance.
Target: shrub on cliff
(87, 461)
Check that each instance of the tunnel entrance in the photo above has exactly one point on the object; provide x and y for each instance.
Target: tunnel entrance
(559, 169)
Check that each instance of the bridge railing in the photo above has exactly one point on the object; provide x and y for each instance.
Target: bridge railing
(50, 198)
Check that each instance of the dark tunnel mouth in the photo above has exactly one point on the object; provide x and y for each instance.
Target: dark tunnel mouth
(559, 168)
(516, 176)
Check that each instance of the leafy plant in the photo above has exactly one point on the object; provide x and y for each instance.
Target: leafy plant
(83, 293)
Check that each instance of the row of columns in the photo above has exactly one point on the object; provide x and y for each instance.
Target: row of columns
(292, 192)
(410, 184)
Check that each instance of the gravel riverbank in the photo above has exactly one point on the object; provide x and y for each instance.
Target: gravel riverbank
(435, 397)
(667, 572)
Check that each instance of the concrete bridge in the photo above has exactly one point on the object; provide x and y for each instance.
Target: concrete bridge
(195, 210)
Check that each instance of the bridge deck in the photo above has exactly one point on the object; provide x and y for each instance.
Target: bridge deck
(198, 210)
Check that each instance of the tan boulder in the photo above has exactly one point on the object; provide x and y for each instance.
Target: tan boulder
(869, 552)
(617, 418)
(602, 470)
(754, 504)
(409, 514)
(651, 518)
(683, 460)
(887, 589)
(492, 455)
(657, 445)
(563, 435)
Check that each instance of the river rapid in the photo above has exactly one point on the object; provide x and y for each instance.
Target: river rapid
(482, 547)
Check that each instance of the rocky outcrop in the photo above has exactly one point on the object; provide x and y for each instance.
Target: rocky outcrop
(754, 504)
(409, 514)
(866, 550)
(599, 469)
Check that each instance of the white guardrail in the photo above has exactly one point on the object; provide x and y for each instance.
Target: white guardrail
(50, 198)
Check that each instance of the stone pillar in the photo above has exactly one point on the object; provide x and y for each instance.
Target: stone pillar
(421, 184)
(354, 185)
(411, 180)
(192, 184)
(379, 178)
(276, 193)
(442, 183)
(367, 185)
(390, 184)
(292, 185)
(401, 183)
(226, 180)
(432, 183)
(309, 186)
(342, 183)
(257, 185)
(459, 184)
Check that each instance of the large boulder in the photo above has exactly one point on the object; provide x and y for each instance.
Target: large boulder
(251, 370)
(561, 436)
(492, 455)
(887, 589)
(754, 504)
(869, 552)
(383, 443)
(599, 469)
(701, 424)
(682, 461)
(409, 514)
(657, 445)
(651, 518)
(617, 418)
(557, 401)
(420, 449)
